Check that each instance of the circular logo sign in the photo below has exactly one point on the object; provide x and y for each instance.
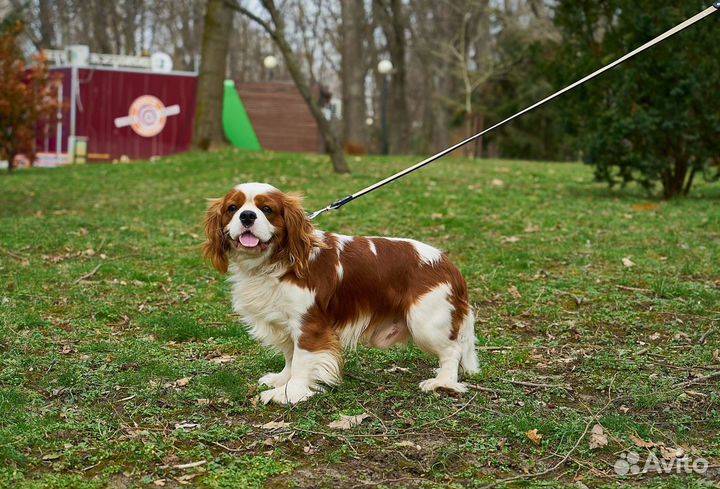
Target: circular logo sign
(148, 114)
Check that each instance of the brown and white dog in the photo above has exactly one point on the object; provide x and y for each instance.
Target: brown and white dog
(309, 294)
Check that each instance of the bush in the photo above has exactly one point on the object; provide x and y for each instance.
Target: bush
(27, 97)
(655, 119)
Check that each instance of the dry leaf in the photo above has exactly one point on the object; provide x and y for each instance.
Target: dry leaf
(347, 422)
(597, 437)
(627, 262)
(223, 359)
(671, 453)
(496, 182)
(184, 479)
(159, 482)
(182, 382)
(642, 443)
(275, 425)
(534, 436)
(532, 228)
(645, 206)
(186, 426)
(409, 444)
(509, 239)
(395, 368)
(513, 291)
(203, 402)
(190, 465)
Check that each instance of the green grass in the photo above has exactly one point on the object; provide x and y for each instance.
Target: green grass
(89, 396)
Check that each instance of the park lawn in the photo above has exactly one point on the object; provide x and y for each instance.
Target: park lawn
(122, 359)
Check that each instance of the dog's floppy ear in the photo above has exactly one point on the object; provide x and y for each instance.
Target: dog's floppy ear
(216, 245)
(301, 236)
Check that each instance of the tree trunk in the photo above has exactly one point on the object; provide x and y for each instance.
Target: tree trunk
(673, 180)
(332, 144)
(352, 73)
(101, 39)
(132, 8)
(47, 24)
(393, 22)
(208, 130)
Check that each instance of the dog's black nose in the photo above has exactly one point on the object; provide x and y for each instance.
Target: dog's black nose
(247, 218)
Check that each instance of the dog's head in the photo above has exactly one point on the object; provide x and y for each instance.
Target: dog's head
(256, 221)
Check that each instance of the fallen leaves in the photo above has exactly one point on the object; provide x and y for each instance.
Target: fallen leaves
(222, 359)
(409, 444)
(185, 426)
(534, 436)
(346, 422)
(644, 206)
(639, 442)
(190, 465)
(627, 262)
(275, 425)
(515, 293)
(598, 439)
(667, 453)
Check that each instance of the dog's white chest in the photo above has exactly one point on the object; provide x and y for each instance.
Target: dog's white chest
(265, 302)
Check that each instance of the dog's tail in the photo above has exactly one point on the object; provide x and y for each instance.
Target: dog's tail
(469, 359)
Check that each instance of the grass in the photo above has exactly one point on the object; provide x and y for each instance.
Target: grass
(116, 379)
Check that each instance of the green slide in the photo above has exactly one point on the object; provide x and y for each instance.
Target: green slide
(236, 123)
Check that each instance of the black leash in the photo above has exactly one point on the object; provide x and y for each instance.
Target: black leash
(680, 27)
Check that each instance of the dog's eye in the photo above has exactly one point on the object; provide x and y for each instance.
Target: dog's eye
(266, 209)
(232, 208)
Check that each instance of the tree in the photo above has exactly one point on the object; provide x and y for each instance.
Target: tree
(275, 27)
(352, 72)
(391, 17)
(653, 120)
(208, 130)
(27, 97)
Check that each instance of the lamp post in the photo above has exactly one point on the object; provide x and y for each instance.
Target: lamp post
(385, 67)
(270, 62)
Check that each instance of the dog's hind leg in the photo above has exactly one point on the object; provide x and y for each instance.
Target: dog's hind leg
(430, 324)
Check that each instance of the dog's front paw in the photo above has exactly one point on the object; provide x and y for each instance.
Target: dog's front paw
(435, 384)
(289, 393)
(275, 380)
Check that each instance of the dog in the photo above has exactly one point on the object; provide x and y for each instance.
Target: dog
(310, 294)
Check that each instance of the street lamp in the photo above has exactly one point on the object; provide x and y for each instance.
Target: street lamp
(270, 62)
(385, 67)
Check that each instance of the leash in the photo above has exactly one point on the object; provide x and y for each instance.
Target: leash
(680, 27)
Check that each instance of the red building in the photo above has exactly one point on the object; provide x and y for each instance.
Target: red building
(119, 107)
(124, 113)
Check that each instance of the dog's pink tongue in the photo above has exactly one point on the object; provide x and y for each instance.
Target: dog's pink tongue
(249, 240)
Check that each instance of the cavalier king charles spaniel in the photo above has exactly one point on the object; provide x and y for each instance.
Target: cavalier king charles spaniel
(309, 294)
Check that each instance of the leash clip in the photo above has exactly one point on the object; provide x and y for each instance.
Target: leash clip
(334, 206)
